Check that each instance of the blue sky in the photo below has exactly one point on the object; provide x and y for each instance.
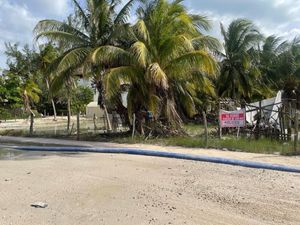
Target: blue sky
(280, 17)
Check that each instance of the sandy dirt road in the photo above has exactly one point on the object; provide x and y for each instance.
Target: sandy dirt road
(102, 189)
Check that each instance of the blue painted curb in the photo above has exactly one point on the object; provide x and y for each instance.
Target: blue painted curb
(130, 151)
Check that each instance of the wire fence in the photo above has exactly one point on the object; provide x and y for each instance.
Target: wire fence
(47, 126)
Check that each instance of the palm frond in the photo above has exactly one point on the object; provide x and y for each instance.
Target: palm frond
(60, 36)
(82, 14)
(202, 42)
(114, 77)
(141, 31)
(175, 46)
(201, 22)
(157, 75)
(109, 54)
(123, 14)
(73, 58)
(201, 60)
(54, 25)
(141, 53)
(61, 80)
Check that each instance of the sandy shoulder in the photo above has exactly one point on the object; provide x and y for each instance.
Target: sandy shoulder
(268, 158)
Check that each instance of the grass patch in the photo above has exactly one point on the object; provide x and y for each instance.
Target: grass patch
(197, 129)
(229, 143)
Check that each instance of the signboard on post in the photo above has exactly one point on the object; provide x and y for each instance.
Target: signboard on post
(232, 118)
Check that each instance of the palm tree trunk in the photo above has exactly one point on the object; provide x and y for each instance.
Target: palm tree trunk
(109, 127)
(54, 109)
(52, 101)
(101, 103)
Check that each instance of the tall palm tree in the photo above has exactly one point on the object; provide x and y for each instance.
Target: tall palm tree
(30, 94)
(289, 67)
(67, 81)
(280, 63)
(47, 55)
(90, 28)
(239, 74)
(168, 58)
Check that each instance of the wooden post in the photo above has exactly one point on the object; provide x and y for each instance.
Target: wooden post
(133, 125)
(31, 123)
(296, 137)
(280, 124)
(220, 127)
(284, 123)
(259, 121)
(238, 133)
(78, 126)
(69, 114)
(94, 121)
(205, 128)
(290, 121)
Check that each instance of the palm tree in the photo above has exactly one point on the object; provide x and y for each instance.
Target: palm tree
(66, 81)
(30, 94)
(272, 47)
(47, 55)
(280, 63)
(239, 75)
(167, 59)
(289, 67)
(90, 28)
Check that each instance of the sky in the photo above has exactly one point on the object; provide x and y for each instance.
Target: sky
(279, 17)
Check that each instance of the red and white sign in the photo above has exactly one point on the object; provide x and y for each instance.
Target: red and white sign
(232, 118)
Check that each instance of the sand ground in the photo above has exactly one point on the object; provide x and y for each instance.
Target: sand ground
(103, 189)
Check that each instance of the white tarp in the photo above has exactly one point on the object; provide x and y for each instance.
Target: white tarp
(270, 109)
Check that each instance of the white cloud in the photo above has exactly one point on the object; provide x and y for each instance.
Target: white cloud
(45, 8)
(279, 17)
(16, 24)
(18, 18)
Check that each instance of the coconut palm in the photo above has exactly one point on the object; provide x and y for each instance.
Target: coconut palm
(239, 75)
(67, 81)
(288, 67)
(47, 55)
(166, 64)
(30, 93)
(97, 25)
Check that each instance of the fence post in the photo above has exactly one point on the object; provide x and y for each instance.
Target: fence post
(238, 133)
(259, 121)
(78, 126)
(205, 128)
(220, 127)
(296, 137)
(94, 120)
(31, 123)
(290, 121)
